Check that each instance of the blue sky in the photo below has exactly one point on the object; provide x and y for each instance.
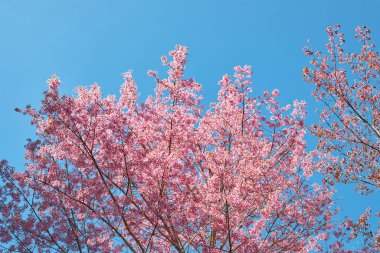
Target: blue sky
(95, 41)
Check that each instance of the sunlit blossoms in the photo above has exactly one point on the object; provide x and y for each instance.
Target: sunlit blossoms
(112, 175)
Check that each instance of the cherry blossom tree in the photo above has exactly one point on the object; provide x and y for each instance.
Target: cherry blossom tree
(108, 174)
(349, 130)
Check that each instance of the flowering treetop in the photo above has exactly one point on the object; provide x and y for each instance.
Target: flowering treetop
(107, 174)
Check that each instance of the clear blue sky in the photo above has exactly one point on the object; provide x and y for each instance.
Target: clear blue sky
(95, 41)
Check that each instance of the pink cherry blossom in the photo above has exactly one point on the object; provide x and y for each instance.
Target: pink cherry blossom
(112, 175)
